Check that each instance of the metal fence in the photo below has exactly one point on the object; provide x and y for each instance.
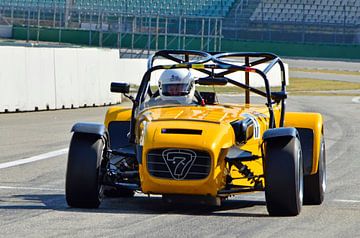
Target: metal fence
(136, 31)
(305, 21)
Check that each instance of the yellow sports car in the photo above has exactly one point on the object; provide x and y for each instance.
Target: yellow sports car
(181, 141)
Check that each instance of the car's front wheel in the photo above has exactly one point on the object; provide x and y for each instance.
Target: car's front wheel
(283, 176)
(83, 175)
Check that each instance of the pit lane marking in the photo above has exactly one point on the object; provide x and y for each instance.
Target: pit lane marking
(44, 156)
(356, 100)
(31, 188)
(346, 201)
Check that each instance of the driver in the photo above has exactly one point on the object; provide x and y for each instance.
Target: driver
(177, 85)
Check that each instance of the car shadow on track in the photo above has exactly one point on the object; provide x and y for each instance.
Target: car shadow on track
(135, 205)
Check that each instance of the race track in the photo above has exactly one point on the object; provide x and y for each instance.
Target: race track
(32, 202)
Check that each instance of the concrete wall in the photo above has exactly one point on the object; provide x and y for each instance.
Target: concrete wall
(55, 78)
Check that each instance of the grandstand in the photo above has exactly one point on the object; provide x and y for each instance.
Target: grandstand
(308, 12)
(328, 21)
(156, 7)
(204, 24)
(213, 8)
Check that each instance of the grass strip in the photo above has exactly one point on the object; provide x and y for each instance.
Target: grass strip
(307, 84)
(325, 71)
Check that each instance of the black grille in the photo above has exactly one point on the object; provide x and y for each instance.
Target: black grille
(181, 131)
(179, 164)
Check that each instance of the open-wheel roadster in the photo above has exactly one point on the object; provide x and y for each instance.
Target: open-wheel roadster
(206, 150)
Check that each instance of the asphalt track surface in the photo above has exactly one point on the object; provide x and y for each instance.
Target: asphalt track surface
(318, 64)
(32, 202)
(325, 76)
(345, 66)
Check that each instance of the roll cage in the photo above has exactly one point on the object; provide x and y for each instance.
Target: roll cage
(207, 63)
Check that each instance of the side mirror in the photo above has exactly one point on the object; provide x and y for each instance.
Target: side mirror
(120, 87)
(244, 130)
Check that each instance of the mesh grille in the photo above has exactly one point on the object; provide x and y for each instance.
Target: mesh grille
(179, 164)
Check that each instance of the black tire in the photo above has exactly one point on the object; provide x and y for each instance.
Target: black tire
(283, 176)
(83, 188)
(315, 185)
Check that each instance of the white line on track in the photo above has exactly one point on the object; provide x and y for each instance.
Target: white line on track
(48, 155)
(347, 201)
(356, 100)
(31, 188)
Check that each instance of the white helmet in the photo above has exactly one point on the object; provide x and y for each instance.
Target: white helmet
(177, 84)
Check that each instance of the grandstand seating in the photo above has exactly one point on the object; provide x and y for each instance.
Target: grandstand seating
(340, 12)
(160, 7)
(283, 20)
(208, 8)
(33, 3)
(272, 11)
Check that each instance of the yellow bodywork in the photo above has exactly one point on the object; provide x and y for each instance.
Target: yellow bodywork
(117, 114)
(313, 121)
(216, 138)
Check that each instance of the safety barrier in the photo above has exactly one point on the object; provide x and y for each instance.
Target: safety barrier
(54, 78)
(33, 78)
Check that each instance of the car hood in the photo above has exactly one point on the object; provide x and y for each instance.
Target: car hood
(213, 114)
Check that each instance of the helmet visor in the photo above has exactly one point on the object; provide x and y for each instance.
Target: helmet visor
(178, 89)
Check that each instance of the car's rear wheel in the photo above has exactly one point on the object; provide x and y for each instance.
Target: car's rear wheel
(83, 175)
(315, 185)
(283, 176)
